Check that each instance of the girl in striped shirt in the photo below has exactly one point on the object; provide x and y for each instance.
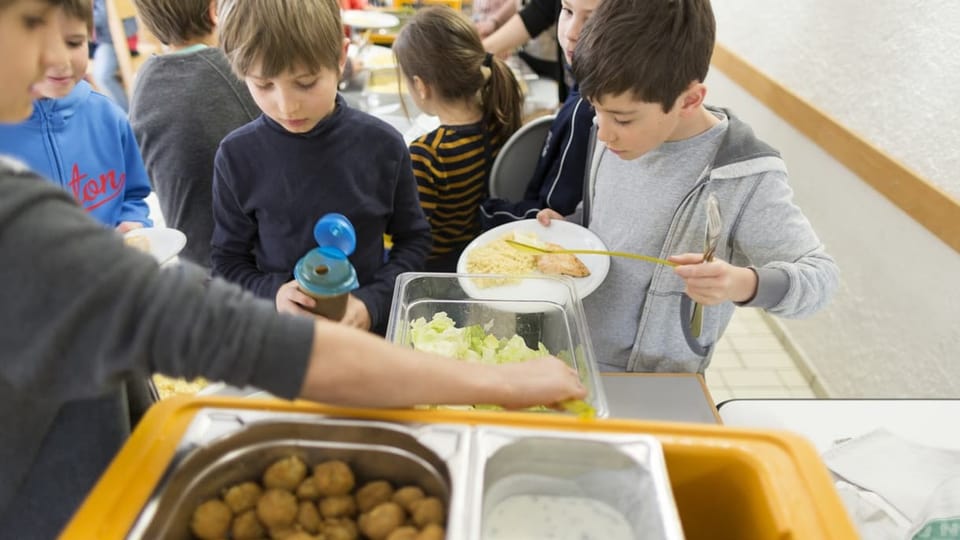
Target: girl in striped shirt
(479, 104)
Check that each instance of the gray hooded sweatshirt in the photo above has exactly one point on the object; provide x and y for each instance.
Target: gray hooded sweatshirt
(639, 317)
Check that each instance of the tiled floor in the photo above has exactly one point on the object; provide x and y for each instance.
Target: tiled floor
(751, 362)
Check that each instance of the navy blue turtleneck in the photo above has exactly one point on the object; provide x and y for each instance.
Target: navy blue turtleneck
(270, 186)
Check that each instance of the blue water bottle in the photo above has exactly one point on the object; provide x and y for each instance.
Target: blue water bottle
(324, 273)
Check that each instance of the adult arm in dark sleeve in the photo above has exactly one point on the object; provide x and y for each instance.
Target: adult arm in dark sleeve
(539, 15)
(530, 22)
(80, 309)
(411, 244)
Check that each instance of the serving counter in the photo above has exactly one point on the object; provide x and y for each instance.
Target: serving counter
(726, 483)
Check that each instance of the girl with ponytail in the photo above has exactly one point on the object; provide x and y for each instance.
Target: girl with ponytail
(479, 104)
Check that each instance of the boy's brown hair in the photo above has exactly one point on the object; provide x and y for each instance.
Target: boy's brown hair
(281, 35)
(176, 21)
(81, 10)
(652, 48)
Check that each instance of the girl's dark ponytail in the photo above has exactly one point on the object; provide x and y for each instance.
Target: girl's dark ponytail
(501, 98)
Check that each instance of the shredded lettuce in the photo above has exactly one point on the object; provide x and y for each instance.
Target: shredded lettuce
(472, 343)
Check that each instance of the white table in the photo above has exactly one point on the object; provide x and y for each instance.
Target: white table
(931, 422)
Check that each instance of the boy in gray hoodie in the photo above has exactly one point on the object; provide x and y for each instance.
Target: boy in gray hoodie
(663, 153)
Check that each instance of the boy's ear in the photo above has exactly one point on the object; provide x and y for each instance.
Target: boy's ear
(692, 98)
(343, 55)
(213, 12)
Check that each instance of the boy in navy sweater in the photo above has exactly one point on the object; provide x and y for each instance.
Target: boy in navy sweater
(308, 154)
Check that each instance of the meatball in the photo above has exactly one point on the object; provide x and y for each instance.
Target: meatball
(372, 494)
(307, 490)
(211, 520)
(333, 478)
(308, 517)
(286, 474)
(378, 523)
(427, 511)
(242, 497)
(277, 509)
(406, 495)
(404, 533)
(246, 526)
(338, 506)
(300, 535)
(432, 532)
(340, 529)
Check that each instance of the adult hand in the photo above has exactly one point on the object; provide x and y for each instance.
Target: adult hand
(127, 226)
(547, 215)
(357, 314)
(542, 381)
(290, 299)
(714, 282)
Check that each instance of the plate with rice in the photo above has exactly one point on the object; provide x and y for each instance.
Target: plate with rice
(489, 253)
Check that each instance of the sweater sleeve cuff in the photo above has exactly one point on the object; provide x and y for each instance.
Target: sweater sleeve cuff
(772, 286)
(369, 299)
(287, 345)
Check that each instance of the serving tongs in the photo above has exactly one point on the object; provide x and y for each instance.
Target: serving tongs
(522, 246)
(711, 238)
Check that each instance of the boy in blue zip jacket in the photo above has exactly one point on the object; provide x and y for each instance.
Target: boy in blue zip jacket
(557, 180)
(664, 153)
(79, 138)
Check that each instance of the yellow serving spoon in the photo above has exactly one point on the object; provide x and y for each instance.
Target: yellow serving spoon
(534, 249)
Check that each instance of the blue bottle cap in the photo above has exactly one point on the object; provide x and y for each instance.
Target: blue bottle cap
(325, 270)
(321, 274)
(335, 231)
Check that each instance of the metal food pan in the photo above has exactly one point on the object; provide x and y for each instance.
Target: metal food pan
(224, 447)
(623, 477)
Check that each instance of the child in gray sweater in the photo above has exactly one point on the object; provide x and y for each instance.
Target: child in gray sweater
(664, 153)
(184, 103)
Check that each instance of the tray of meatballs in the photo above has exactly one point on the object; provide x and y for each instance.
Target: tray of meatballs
(247, 473)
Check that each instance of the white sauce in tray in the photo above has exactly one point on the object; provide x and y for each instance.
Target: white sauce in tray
(560, 518)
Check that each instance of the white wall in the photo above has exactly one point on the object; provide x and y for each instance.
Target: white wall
(887, 69)
(893, 329)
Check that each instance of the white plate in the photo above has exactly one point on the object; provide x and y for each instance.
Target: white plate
(359, 18)
(165, 243)
(564, 233)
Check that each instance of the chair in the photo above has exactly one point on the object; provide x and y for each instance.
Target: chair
(517, 159)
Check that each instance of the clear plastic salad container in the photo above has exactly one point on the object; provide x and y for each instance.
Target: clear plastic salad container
(448, 315)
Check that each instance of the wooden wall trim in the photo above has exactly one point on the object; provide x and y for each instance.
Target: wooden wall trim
(926, 203)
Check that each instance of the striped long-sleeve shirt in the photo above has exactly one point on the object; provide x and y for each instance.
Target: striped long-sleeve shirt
(452, 167)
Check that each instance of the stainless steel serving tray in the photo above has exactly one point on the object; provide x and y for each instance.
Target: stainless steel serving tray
(457, 463)
(223, 447)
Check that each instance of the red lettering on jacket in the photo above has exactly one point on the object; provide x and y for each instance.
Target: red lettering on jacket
(92, 193)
